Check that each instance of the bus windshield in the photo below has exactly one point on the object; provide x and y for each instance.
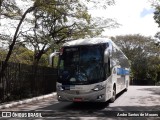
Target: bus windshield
(81, 65)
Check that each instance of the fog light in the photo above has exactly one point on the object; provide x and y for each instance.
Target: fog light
(59, 96)
(100, 96)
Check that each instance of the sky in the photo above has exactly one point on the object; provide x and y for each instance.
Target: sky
(135, 17)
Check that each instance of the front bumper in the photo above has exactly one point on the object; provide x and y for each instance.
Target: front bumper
(93, 96)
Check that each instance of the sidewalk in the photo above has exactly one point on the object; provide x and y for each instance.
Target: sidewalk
(20, 102)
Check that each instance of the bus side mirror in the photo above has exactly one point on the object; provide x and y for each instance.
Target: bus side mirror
(106, 56)
(51, 57)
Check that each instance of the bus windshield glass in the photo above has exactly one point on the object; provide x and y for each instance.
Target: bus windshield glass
(81, 65)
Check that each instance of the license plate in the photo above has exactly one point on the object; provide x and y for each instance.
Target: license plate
(68, 87)
(77, 99)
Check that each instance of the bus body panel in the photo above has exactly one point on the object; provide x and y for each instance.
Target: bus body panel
(83, 92)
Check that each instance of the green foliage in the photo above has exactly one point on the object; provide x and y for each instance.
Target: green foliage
(154, 68)
(143, 54)
(10, 9)
(44, 60)
(22, 55)
(157, 14)
(2, 54)
(157, 19)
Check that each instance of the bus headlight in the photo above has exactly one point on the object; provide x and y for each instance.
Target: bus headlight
(98, 87)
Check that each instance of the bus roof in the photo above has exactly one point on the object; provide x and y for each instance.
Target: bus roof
(90, 41)
(87, 41)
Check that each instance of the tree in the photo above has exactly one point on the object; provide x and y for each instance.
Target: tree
(58, 22)
(8, 12)
(15, 36)
(46, 32)
(21, 54)
(142, 53)
(156, 17)
(3, 53)
(157, 35)
(154, 68)
(132, 42)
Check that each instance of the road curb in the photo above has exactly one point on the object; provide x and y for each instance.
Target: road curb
(20, 102)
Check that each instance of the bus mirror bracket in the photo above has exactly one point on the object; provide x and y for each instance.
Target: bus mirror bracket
(51, 56)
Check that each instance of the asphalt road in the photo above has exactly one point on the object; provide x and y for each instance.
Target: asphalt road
(137, 100)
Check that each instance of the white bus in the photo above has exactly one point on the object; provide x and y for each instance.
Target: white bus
(91, 70)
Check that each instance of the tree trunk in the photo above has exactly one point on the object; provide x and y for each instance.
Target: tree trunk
(37, 57)
(4, 66)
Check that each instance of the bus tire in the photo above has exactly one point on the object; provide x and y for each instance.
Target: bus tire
(126, 86)
(113, 98)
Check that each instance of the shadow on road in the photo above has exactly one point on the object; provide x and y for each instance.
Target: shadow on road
(79, 106)
(111, 112)
(76, 106)
(68, 110)
(155, 90)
